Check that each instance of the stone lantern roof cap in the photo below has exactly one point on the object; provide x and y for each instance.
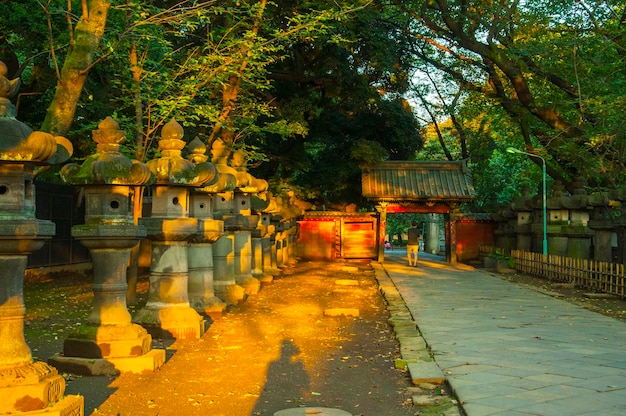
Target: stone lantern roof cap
(107, 166)
(172, 169)
(227, 180)
(196, 150)
(245, 181)
(20, 144)
(286, 207)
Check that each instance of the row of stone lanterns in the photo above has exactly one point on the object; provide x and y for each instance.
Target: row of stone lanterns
(577, 223)
(200, 231)
(216, 236)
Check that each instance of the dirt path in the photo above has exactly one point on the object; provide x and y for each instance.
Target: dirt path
(275, 351)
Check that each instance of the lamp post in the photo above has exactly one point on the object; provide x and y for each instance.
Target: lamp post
(545, 211)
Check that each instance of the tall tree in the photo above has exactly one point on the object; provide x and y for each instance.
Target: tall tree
(346, 89)
(84, 42)
(554, 68)
(319, 84)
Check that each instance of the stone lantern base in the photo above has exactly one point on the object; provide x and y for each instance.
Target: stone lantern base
(177, 322)
(146, 363)
(109, 350)
(230, 292)
(251, 285)
(213, 308)
(35, 389)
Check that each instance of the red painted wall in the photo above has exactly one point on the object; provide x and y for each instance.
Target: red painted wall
(315, 241)
(470, 235)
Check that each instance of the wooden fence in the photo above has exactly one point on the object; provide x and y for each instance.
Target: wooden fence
(590, 275)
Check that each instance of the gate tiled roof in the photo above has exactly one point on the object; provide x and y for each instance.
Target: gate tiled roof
(418, 181)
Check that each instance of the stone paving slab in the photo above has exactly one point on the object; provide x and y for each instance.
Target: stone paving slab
(426, 373)
(508, 350)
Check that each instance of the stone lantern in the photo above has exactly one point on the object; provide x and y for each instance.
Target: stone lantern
(504, 234)
(109, 343)
(261, 235)
(247, 185)
(568, 217)
(168, 313)
(279, 237)
(286, 227)
(268, 241)
(201, 271)
(25, 386)
(577, 229)
(226, 287)
(522, 206)
(602, 222)
(297, 207)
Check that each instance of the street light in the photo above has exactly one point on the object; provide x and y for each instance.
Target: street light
(545, 210)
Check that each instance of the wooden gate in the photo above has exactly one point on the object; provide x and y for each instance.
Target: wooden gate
(359, 238)
(338, 235)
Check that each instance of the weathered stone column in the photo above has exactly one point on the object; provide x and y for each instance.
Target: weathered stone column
(201, 287)
(431, 242)
(167, 313)
(108, 343)
(26, 387)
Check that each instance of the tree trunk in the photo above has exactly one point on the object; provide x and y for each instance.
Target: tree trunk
(78, 62)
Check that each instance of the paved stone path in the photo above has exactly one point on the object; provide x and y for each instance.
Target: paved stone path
(509, 350)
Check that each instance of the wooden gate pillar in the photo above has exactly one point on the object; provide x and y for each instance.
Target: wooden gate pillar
(382, 230)
(450, 232)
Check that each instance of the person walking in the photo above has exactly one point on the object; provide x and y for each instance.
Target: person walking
(413, 244)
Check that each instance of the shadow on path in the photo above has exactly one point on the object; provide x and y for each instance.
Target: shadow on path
(287, 380)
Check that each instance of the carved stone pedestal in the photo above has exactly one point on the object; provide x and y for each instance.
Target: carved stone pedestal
(26, 387)
(108, 344)
(35, 389)
(167, 313)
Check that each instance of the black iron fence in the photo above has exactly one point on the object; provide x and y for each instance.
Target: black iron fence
(58, 203)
